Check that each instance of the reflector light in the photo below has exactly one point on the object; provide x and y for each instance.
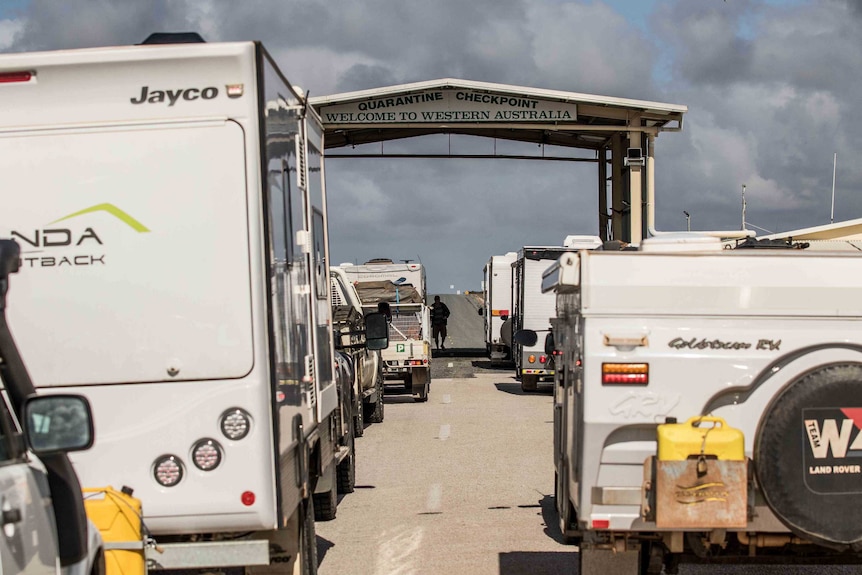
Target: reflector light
(168, 470)
(248, 498)
(532, 359)
(206, 454)
(235, 423)
(601, 523)
(9, 77)
(543, 359)
(625, 373)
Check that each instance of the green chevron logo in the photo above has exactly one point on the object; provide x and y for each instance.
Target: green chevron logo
(114, 211)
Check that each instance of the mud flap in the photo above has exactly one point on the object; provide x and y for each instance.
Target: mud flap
(697, 493)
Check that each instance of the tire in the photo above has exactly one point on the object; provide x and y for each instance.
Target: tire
(326, 504)
(422, 396)
(308, 539)
(359, 419)
(796, 455)
(376, 415)
(529, 382)
(345, 473)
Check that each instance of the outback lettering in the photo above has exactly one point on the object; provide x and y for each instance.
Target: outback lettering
(52, 262)
(173, 96)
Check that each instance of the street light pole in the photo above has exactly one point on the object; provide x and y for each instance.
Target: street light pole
(743, 206)
(687, 220)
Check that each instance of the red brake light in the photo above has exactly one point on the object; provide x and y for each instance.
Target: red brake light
(543, 359)
(601, 523)
(9, 77)
(625, 373)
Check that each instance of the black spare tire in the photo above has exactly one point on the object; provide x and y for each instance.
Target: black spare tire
(808, 456)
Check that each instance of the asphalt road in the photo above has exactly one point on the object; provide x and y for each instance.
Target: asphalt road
(463, 484)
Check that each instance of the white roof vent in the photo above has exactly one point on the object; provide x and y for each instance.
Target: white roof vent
(681, 242)
(583, 242)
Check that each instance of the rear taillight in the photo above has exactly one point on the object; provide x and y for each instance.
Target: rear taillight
(168, 470)
(625, 373)
(235, 423)
(543, 359)
(206, 454)
(11, 77)
(532, 359)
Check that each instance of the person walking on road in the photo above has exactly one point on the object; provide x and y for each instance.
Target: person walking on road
(439, 315)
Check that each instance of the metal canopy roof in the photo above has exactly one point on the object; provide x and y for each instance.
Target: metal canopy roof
(452, 106)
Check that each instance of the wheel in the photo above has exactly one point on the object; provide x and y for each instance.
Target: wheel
(307, 538)
(376, 415)
(529, 382)
(326, 505)
(359, 419)
(806, 454)
(345, 473)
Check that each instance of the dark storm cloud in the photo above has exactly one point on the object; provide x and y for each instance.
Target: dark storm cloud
(772, 121)
(771, 89)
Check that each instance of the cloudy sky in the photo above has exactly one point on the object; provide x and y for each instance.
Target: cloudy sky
(769, 84)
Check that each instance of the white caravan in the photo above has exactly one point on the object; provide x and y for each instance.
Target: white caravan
(533, 310)
(708, 403)
(497, 306)
(402, 287)
(170, 206)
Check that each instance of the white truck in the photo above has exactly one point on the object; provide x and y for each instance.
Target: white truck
(169, 200)
(401, 287)
(707, 404)
(497, 304)
(532, 309)
(348, 324)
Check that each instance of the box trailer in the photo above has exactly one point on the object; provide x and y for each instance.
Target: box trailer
(401, 287)
(532, 309)
(497, 305)
(707, 404)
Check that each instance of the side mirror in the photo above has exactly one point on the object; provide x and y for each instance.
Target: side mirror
(58, 423)
(526, 337)
(376, 331)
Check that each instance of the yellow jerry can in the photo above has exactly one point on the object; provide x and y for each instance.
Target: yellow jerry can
(117, 515)
(702, 434)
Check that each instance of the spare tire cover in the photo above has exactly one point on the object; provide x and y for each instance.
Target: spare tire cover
(808, 456)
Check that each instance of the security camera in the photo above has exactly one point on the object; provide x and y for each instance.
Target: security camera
(634, 157)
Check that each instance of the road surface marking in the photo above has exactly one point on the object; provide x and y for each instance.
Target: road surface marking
(435, 498)
(447, 398)
(397, 555)
(444, 432)
(451, 364)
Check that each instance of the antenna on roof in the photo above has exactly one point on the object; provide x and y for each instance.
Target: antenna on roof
(834, 164)
(406, 261)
